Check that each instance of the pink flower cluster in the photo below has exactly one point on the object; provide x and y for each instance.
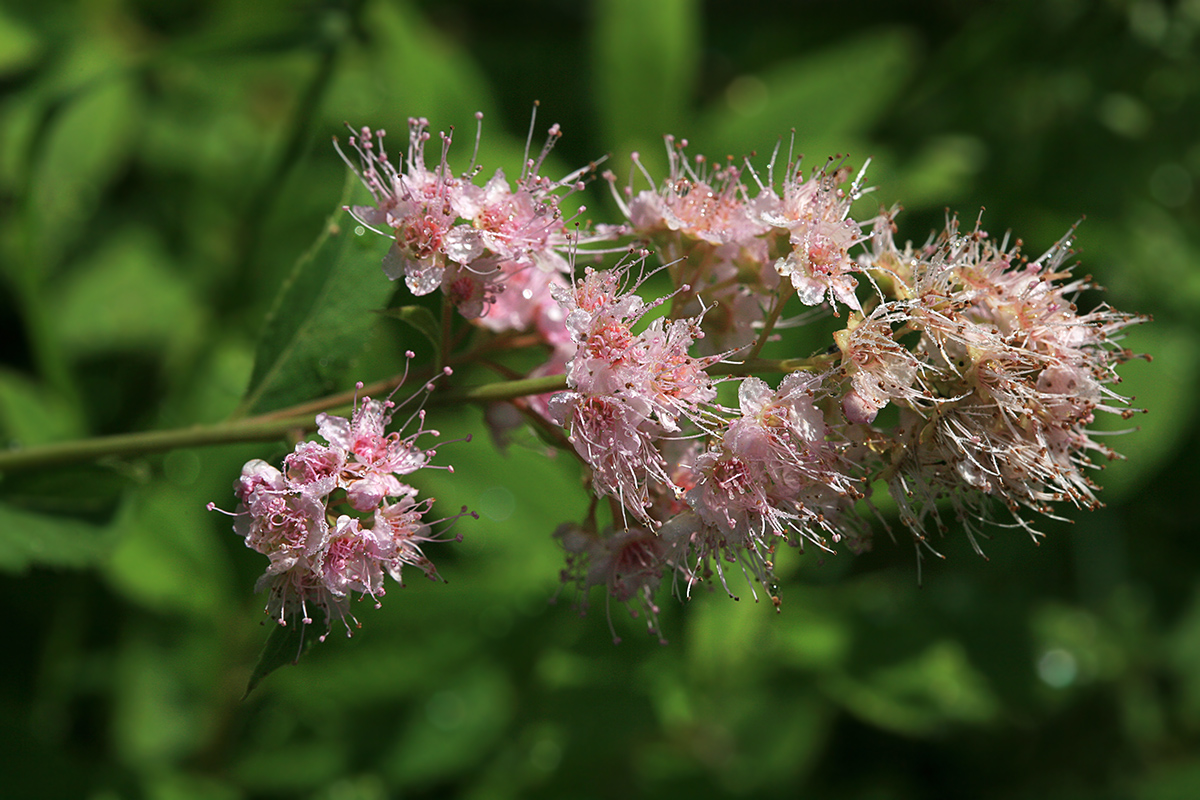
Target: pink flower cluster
(733, 252)
(993, 373)
(960, 377)
(337, 518)
(999, 386)
(495, 251)
(628, 390)
(725, 484)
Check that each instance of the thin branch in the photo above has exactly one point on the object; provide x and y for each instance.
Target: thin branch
(299, 420)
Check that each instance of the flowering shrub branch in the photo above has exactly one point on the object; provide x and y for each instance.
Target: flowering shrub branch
(962, 380)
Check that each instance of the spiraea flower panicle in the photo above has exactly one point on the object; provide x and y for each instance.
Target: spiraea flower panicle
(962, 376)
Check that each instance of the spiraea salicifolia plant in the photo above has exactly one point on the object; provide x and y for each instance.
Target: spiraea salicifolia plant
(989, 374)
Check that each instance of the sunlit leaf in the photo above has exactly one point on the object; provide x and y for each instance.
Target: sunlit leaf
(320, 318)
(376, 88)
(126, 296)
(18, 45)
(84, 145)
(830, 98)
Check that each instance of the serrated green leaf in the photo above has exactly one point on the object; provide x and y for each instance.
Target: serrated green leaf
(320, 318)
(284, 646)
(420, 318)
(28, 540)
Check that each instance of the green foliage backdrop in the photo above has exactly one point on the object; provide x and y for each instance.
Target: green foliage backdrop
(163, 165)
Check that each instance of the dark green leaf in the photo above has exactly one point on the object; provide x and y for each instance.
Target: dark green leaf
(284, 646)
(420, 318)
(320, 318)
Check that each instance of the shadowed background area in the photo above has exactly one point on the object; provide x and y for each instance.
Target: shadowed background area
(162, 166)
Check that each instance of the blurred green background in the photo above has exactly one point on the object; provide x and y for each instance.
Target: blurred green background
(162, 165)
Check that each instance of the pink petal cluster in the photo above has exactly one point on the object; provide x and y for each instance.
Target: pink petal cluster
(732, 250)
(707, 231)
(993, 375)
(815, 212)
(627, 390)
(337, 518)
(772, 475)
(706, 485)
(495, 250)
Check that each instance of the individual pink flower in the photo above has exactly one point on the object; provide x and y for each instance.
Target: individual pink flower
(816, 214)
(375, 458)
(420, 205)
(700, 201)
(880, 369)
(401, 529)
(352, 560)
(283, 522)
(616, 443)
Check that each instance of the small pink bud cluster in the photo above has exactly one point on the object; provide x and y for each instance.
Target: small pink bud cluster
(337, 518)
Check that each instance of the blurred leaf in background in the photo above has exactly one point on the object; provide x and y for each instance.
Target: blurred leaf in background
(163, 166)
